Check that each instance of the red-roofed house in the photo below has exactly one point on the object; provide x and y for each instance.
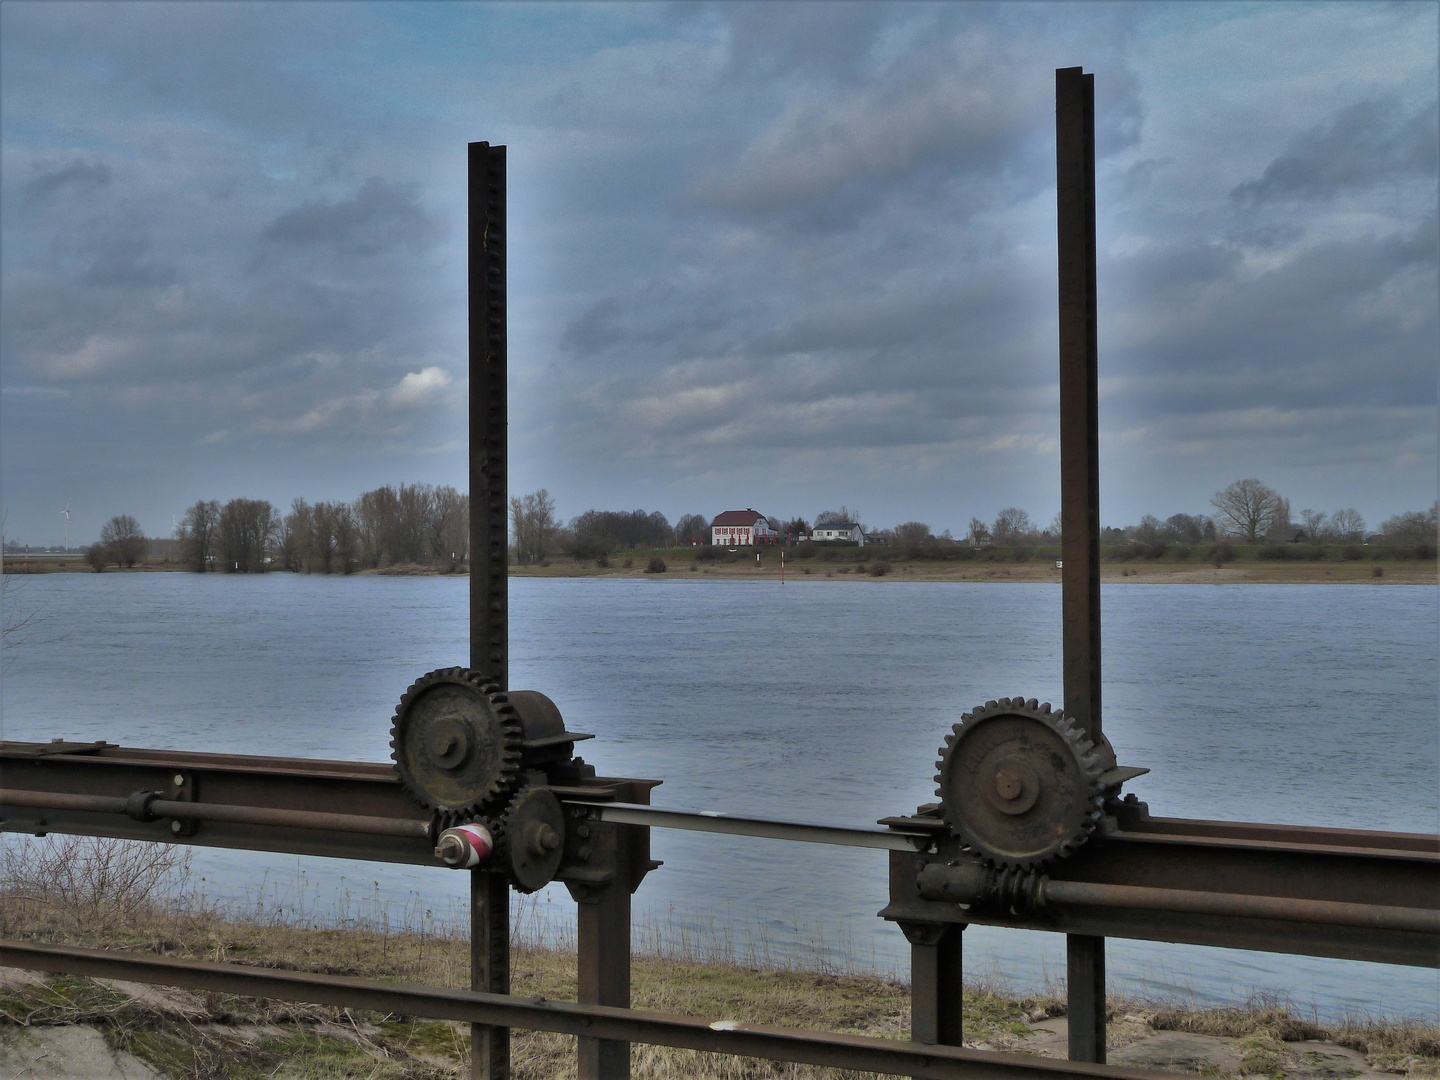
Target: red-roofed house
(736, 528)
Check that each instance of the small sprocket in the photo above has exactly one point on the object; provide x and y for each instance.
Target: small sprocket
(530, 838)
(456, 743)
(1020, 783)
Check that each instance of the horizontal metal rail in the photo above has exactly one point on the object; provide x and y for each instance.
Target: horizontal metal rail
(1182, 901)
(712, 821)
(240, 815)
(858, 1052)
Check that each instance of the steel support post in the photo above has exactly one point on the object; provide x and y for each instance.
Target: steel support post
(489, 970)
(936, 982)
(1080, 486)
(489, 559)
(603, 974)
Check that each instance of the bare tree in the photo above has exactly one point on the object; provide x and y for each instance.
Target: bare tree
(1412, 527)
(1012, 525)
(829, 519)
(1185, 528)
(448, 527)
(1347, 526)
(123, 540)
(692, 529)
(1248, 507)
(294, 542)
(532, 518)
(1315, 527)
(244, 533)
(978, 535)
(197, 535)
(912, 536)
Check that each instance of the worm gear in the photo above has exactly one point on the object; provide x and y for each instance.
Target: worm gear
(530, 838)
(1020, 783)
(456, 742)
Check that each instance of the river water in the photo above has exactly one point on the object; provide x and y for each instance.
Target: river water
(822, 701)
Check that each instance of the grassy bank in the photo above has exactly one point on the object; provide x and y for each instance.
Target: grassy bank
(1258, 564)
(1137, 564)
(186, 1034)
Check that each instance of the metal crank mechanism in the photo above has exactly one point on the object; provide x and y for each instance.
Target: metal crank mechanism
(1020, 786)
(482, 762)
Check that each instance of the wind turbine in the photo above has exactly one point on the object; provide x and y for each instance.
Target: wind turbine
(66, 515)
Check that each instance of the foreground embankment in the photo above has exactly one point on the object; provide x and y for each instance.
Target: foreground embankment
(63, 1025)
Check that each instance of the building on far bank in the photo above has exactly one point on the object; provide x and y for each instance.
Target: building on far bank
(742, 528)
(843, 531)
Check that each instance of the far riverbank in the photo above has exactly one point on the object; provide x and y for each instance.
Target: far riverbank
(683, 565)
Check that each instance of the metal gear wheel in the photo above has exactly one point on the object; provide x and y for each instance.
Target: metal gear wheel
(530, 838)
(1020, 783)
(456, 743)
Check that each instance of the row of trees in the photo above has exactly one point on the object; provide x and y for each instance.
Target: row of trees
(407, 523)
(430, 526)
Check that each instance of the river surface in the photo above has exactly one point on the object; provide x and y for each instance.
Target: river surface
(821, 701)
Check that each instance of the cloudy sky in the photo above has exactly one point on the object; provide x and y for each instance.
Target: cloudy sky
(775, 256)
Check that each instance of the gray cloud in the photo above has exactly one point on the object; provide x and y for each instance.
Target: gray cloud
(1370, 142)
(76, 173)
(801, 253)
(380, 216)
(120, 263)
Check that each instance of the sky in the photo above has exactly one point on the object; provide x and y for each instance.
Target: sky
(771, 256)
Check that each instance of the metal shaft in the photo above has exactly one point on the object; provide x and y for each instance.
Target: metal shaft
(1080, 485)
(489, 558)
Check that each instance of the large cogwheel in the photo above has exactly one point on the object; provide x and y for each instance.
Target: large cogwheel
(1020, 784)
(456, 743)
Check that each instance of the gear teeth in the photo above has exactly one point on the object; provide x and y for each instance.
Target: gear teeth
(512, 734)
(1086, 759)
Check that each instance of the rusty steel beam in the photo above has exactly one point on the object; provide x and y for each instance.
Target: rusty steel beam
(489, 556)
(1080, 485)
(145, 806)
(586, 1021)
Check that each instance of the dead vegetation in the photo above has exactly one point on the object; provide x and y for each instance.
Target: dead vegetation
(130, 896)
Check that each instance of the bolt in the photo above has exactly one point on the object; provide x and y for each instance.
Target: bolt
(175, 826)
(582, 852)
(178, 780)
(582, 831)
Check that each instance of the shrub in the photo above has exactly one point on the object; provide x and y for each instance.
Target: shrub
(602, 562)
(709, 553)
(1220, 554)
(629, 563)
(1379, 571)
(95, 555)
(859, 568)
(1182, 552)
(880, 569)
(1156, 550)
(1353, 552)
(656, 565)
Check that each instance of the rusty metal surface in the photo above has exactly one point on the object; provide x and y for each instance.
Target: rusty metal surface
(1080, 483)
(587, 1021)
(489, 550)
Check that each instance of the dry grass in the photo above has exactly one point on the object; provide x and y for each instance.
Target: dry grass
(131, 896)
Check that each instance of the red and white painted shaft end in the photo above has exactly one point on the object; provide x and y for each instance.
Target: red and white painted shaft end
(465, 846)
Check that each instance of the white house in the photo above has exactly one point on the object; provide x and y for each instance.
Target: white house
(844, 531)
(741, 528)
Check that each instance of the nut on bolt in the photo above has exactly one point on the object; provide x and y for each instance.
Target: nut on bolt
(465, 846)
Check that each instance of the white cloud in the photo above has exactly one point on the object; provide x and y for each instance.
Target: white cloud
(419, 388)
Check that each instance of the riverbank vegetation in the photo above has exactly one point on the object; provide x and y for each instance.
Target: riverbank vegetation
(411, 528)
(134, 897)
